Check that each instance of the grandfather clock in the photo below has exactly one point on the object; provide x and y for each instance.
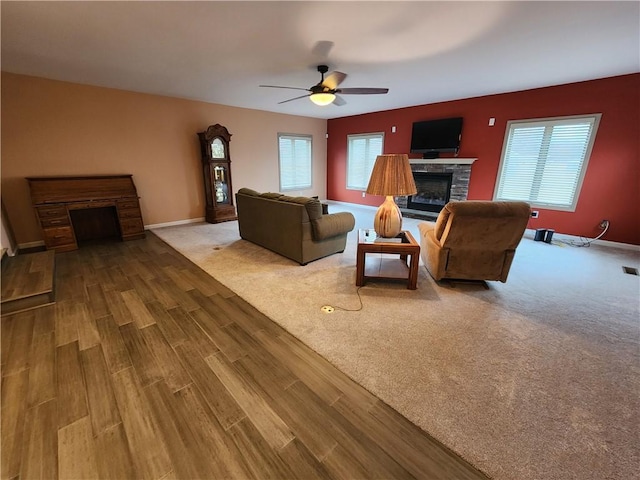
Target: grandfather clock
(216, 164)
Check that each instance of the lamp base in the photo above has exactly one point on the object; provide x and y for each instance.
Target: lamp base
(388, 220)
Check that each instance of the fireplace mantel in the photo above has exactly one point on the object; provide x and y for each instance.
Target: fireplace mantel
(442, 161)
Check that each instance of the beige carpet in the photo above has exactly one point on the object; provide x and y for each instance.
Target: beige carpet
(538, 378)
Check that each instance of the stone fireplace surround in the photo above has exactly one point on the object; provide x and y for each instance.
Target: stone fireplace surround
(460, 168)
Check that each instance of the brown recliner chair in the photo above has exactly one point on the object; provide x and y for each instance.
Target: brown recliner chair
(473, 240)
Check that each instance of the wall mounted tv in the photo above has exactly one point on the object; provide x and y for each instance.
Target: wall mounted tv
(431, 137)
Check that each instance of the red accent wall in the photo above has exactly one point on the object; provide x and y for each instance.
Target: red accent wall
(611, 188)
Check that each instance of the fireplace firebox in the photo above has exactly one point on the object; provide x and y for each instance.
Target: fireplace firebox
(434, 191)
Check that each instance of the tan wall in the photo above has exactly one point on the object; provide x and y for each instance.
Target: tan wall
(59, 128)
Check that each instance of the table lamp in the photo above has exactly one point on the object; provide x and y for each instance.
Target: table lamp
(391, 176)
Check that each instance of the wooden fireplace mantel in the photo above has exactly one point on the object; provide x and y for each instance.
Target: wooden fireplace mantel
(442, 161)
(54, 198)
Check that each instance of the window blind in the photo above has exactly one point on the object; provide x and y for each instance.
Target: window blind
(295, 161)
(362, 151)
(543, 162)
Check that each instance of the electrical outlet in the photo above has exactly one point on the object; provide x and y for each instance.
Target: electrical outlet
(363, 194)
(327, 309)
(604, 223)
(534, 213)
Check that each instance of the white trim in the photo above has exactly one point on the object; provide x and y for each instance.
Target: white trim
(625, 246)
(442, 161)
(294, 159)
(39, 243)
(546, 123)
(603, 243)
(173, 224)
(528, 233)
(350, 161)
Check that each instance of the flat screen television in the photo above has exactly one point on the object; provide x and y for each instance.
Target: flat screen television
(430, 137)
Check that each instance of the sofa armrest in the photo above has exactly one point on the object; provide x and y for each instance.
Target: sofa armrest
(332, 225)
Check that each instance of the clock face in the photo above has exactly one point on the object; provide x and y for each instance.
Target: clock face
(217, 148)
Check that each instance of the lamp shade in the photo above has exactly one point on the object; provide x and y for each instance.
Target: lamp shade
(392, 175)
(322, 99)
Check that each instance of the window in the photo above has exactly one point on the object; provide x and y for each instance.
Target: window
(362, 151)
(544, 161)
(295, 161)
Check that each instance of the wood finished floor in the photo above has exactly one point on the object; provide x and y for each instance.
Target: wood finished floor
(27, 281)
(147, 367)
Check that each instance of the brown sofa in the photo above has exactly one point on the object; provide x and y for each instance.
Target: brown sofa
(294, 227)
(473, 240)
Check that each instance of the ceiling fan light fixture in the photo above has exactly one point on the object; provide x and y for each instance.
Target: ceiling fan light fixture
(322, 99)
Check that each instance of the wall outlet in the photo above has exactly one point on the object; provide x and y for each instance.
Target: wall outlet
(534, 213)
(604, 223)
(363, 194)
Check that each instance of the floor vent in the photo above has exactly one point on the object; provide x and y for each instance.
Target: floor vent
(630, 270)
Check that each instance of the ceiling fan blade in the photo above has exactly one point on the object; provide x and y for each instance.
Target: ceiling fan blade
(290, 88)
(334, 79)
(292, 99)
(361, 91)
(339, 101)
(322, 48)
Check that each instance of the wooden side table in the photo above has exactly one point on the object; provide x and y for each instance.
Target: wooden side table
(403, 245)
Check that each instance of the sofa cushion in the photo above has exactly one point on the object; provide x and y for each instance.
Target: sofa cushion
(248, 191)
(271, 195)
(313, 205)
(287, 198)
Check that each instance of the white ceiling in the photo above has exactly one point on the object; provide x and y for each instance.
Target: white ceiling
(219, 52)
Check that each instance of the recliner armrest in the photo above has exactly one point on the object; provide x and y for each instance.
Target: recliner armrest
(425, 227)
(332, 225)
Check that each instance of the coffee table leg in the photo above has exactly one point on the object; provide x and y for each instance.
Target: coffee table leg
(413, 272)
(360, 268)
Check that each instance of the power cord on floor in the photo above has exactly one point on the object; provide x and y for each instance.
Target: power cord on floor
(330, 308)
(586, 242)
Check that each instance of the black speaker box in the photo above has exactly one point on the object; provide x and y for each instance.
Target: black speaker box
(540, 233)
(548, 236)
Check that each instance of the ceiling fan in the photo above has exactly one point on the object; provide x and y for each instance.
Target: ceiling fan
(325, 92)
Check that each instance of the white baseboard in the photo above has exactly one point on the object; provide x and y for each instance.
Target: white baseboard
(39, 243)
(529, 232)
(626, 246)
(573, 238)
(173, 224)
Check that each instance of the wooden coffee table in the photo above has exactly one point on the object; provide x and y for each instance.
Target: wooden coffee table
(381, 266)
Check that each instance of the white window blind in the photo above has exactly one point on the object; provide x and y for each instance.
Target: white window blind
(543, 162)
(295, 161)
(362, 151)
